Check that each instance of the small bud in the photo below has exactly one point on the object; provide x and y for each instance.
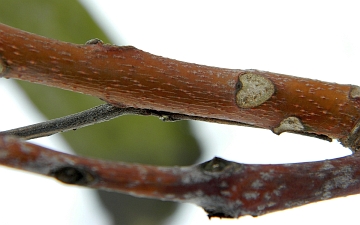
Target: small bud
(94, 41)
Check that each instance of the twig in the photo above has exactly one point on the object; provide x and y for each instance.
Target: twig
(95, 115)
(222, 188)
(130, 78)
(88, 117)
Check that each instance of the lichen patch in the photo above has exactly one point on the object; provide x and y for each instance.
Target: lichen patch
(254, 90)
(289, 124)
(327, 166)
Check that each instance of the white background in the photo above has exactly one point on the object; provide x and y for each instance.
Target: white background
(314, 39)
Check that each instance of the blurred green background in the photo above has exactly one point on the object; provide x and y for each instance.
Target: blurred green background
(128, 138)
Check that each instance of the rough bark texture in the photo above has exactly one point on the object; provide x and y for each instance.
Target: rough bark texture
(128, 77)
(222, 188)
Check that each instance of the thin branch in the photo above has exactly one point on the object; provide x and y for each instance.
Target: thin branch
(130, 78)
(222, 188)
(85, 118)
(95, 115)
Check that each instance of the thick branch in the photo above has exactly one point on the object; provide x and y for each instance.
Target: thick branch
(222, 188)
(128, 77)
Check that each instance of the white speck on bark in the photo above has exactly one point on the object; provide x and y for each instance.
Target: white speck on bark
(169, 196)
(267, 196)
(296, 203)
(251, 195)
(257, 184)
(261, 207)
(277, 191)
(225, 193)
(267, 175)
(224, 184)
(194, 176)
(326, 166)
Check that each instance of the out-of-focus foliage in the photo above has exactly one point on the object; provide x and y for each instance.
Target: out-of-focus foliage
(129, 138)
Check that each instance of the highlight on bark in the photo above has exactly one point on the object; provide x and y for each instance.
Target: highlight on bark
(132, 81)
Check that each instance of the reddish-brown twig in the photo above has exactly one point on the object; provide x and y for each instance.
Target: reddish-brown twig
(222, 188)
(128, 77)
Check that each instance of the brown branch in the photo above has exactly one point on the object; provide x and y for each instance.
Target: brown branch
(222, 188)
(130, 78)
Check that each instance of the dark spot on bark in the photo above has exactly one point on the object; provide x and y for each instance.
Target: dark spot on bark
(73, 175)
(238, 86)
(217, 214)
